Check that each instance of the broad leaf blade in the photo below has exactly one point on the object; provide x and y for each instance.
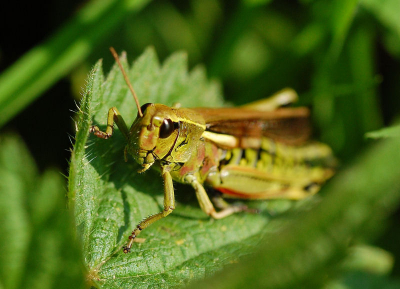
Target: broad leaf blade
(37, 244)
(111, 197)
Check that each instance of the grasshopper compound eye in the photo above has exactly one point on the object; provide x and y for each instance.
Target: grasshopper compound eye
(166, 128)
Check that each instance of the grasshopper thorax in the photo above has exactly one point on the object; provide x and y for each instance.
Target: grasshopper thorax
(153, 136)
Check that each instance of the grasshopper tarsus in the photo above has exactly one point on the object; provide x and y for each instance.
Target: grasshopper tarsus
(93, 128)
(251, 210)
(97, 132)
(221, 204)
(131, 238)
(246, 209)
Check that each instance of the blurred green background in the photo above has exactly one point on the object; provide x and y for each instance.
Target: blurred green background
(343, 58)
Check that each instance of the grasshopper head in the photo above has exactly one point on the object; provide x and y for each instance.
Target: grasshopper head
(153, 136)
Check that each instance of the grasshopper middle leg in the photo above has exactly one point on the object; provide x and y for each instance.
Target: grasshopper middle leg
(169, 206)
(207, 206)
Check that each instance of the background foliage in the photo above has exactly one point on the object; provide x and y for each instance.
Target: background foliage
(341, 56)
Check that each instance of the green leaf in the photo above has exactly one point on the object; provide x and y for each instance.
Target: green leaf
(110, 197)
(37, 244)
(369, 259)
(386, 12)
(388, 132)
(38, 69)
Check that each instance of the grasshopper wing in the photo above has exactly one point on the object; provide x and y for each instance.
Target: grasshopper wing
(241, 127)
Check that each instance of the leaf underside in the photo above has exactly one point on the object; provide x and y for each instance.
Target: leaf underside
(109, 197)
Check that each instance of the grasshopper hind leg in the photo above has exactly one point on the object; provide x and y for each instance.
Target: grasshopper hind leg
(208, 207)
(282, 98)
(221, 204)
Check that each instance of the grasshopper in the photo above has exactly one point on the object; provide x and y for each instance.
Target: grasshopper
(257, 151)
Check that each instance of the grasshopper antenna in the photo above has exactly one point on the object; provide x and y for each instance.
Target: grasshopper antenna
(114, 53)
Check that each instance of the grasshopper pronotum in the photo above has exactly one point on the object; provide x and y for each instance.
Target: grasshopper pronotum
(256, 151)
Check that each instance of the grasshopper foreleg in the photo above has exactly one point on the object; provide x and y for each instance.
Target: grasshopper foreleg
(169, 206)
(113, 116)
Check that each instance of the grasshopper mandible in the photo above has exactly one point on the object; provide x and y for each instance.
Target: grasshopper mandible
(257, 151)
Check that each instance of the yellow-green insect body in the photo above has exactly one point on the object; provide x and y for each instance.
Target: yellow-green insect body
(258, 151)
